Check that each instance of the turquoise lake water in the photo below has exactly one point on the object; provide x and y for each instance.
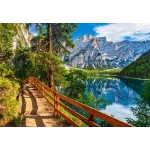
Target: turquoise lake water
(120, 94)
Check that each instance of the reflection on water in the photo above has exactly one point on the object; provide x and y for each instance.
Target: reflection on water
(119, 92)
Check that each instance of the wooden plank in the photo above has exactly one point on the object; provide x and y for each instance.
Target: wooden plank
(25, 81)
(38, 81)
(91, 118)
(48, 88)
(105, 117)
(38, 85)
(45, 97)
(49, 94)
(39, 90)
(48, 101)
(78, 115)
(68, 119)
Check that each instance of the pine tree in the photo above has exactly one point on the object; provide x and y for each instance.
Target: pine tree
(57, 38)
(57, 35)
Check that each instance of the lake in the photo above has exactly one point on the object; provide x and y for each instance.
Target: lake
(120, 93)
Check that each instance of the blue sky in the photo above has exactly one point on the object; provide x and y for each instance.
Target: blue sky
(87, 28)
(114, 32)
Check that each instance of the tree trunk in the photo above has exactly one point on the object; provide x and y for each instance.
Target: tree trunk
(50, 34)
(50, 44)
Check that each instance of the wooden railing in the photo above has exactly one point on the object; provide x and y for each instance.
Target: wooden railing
(55, 100)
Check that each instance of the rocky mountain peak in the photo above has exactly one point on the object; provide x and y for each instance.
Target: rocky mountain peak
(98, 52)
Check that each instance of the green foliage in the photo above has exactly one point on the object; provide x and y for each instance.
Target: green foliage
(139, 68)
(6, 39)
(61, 32)
(54, 38)
(16, 121)
(90, 100)
(76, 79)
(76, 90)
(23, 63)
(145, 95)
(10, 107)
(5, 71)
(47, 59)
(142, 114)
(99, 71)
(142, 109)
(8, 103)
(39, 41)
(8, 32)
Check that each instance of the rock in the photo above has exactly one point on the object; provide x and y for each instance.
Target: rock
(96, 52)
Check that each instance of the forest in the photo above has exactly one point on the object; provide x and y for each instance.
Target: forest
(139, 68)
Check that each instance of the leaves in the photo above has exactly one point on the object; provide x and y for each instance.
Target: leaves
(46, 60)
(8, 103)
(142, 109)
(76, 84)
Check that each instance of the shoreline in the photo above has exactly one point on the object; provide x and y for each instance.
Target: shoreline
(132, 78)
(121, 76)
(99, 74)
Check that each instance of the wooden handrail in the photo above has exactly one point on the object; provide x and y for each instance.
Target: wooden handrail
(54, 98)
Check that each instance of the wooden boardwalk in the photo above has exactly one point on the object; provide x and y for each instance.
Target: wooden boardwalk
(36, 110)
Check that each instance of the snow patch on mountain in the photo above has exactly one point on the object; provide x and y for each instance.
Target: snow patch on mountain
(98, 52)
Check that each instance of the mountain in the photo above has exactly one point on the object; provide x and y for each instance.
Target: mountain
(24, 37)
(13, 35)
(139, 68)
(96, 52)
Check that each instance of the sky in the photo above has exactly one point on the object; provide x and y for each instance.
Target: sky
(114, 32)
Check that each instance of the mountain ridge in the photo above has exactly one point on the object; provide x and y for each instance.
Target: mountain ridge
(96, 52)
(139, 68)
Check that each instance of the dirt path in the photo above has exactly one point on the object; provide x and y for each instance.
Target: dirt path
(37, 112)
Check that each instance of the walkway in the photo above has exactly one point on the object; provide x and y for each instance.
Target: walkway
(36, 110)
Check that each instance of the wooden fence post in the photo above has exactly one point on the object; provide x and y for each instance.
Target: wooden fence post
(91, 118)
(42, 87)
(29, 80)
(56, 99)
(35, 82)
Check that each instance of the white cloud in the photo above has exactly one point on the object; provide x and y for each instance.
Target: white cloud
(118, 31)
(119, 111)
